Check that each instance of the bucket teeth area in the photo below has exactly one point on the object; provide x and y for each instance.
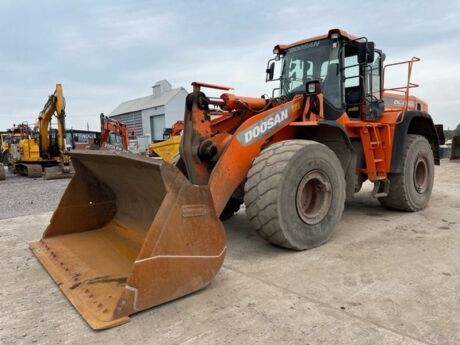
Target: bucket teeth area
(95, 281)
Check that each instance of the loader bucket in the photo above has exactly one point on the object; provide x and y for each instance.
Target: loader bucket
(455, 150)
(129, 233)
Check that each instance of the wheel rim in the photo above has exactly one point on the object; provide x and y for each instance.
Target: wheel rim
(421, 175)
(314, 197)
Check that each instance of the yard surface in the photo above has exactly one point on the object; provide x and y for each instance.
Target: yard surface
(384, 278)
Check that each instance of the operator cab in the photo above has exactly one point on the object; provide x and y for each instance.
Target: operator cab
(347, 69)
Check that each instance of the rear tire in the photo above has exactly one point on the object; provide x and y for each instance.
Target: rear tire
(411, 189)
(295, 194)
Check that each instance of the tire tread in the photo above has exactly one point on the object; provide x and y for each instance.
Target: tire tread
(260, 183)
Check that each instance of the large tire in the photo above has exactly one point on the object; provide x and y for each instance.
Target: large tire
(411, 189)
(295, 194)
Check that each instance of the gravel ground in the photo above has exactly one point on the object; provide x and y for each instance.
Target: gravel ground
(384, 278)
(23, 196)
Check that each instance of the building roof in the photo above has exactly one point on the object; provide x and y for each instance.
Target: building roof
(146, 102)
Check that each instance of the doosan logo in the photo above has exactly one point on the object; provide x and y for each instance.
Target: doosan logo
(260, 128)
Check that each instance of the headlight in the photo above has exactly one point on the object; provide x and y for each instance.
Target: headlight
(313, 87)
(335, 36)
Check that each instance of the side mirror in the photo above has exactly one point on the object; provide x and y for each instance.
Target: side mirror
(366, 52)
(270, 71)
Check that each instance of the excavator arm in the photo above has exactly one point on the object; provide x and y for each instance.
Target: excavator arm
(55, 105)
(118, 129)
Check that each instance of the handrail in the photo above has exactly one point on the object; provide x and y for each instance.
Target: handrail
(409, 85)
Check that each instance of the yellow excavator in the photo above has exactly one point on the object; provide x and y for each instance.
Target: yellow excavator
(30, 152)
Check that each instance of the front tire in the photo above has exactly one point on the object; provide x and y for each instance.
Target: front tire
(295, 194)
(411, 189)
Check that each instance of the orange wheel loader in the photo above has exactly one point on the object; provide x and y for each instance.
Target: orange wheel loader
(131, 233)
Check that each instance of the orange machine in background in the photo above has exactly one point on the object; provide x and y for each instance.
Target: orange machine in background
(114, 134)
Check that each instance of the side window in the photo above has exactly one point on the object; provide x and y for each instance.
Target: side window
(373, 85)
(351, 73)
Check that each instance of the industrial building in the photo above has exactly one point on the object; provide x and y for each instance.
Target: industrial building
(150, 115)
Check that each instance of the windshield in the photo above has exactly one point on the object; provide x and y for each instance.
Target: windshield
(316, 60)
(114, 139)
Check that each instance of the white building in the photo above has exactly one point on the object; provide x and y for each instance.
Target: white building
(150, 115)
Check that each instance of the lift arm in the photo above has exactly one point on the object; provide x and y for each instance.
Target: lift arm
(208, 162)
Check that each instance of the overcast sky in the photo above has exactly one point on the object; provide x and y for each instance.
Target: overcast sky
(107, 52)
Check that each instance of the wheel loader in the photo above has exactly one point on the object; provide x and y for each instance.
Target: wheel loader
(131, 233)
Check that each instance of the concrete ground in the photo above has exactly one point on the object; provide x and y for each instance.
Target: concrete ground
(384, 278)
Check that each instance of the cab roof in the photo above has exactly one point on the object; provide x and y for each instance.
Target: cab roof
(283, 47)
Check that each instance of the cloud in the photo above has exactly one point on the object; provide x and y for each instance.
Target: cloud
(107, 52)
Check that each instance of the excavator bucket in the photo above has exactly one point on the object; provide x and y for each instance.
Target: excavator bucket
(129, 233)
(455, 150)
